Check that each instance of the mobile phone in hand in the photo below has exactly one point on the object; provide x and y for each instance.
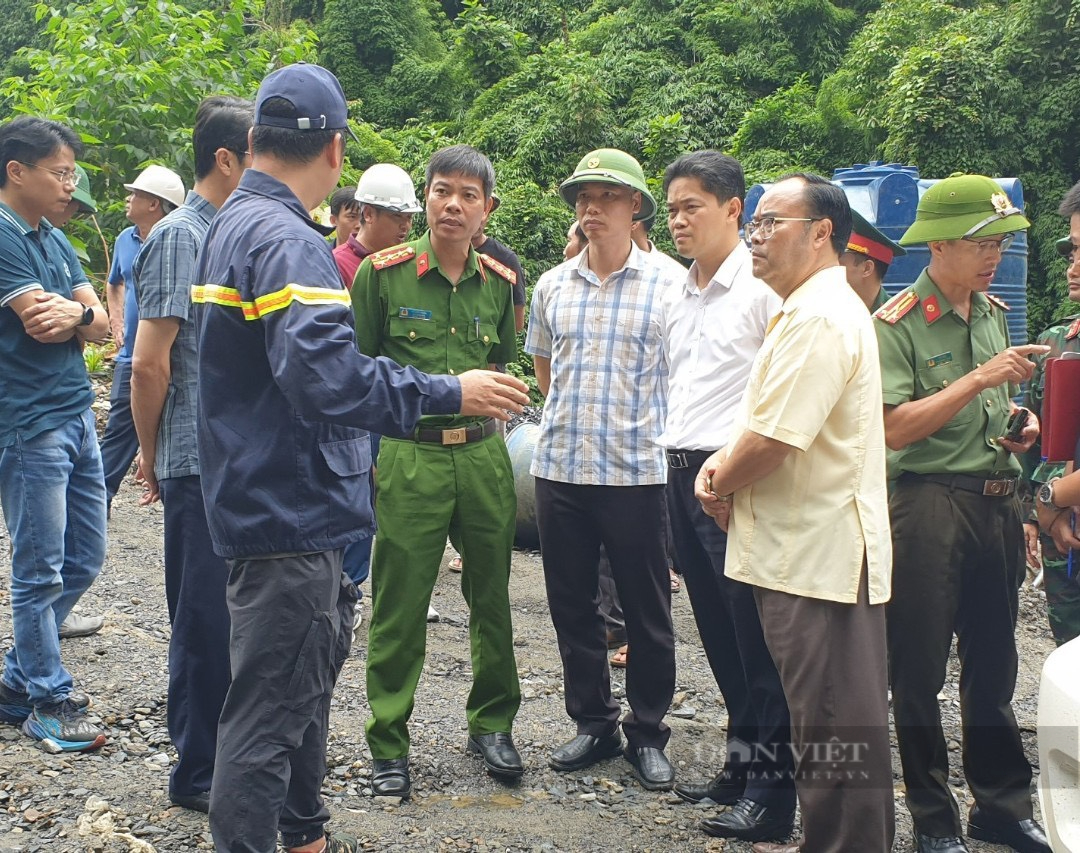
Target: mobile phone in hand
(1014, 429)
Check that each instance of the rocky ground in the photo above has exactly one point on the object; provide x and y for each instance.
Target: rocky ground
(115, 800)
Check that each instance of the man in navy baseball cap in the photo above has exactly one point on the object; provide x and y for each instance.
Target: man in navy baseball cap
(315, 94)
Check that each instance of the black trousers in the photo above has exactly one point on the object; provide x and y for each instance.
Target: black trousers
(195, 580)
(958, 562)
(119, 444)
(573, 521)
(291, 633)
(759, 727)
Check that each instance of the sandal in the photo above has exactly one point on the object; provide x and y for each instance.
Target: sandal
(676, 584)
(455, 564)
(618, 660)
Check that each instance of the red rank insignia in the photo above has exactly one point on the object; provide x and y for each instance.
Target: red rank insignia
(422, 265)
(931, 309)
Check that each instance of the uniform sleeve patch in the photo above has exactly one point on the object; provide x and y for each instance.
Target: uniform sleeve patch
(1073, 330)
(391, 257)
(897, 307)
(498, 268)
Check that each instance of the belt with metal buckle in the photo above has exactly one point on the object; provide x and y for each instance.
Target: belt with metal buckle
(687, 458)
(1000, 488)
(460, 435)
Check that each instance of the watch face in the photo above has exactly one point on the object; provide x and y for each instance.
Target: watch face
(1046, 494)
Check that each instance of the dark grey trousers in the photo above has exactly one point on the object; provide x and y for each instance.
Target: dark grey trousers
(291, 632)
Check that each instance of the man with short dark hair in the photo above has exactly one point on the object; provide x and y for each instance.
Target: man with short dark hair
(344, 215)
(437, 304)
(802, 483)
(714, 323)
(164, 374)
(52, 489)
(867, 259)
(284, 399)
(595, 336)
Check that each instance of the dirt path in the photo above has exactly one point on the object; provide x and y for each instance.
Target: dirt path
(43, 798)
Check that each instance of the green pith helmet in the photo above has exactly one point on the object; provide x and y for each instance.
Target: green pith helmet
(964, 206)
(1065, 247)
(82, 191)
(609, 166)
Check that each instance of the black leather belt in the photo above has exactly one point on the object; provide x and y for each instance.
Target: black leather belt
(1001, 488)
(460, 435)
(687, 458)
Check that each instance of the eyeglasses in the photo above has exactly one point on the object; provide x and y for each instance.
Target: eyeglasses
(990, 247)
(766, 226)
(67, 176)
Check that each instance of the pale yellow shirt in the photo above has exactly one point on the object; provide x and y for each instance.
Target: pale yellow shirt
(816, 385)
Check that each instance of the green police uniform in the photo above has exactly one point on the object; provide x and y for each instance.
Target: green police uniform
(958, 546)
(1062, 591)
(879, 300)
(453, 477)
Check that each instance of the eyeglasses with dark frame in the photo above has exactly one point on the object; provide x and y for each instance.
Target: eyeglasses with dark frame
(65, 176)
(766, 226)
(990, 245)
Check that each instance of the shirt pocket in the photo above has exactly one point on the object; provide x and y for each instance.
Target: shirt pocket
(411, 329)
(348, 458)
(931, 380)
(482, 334)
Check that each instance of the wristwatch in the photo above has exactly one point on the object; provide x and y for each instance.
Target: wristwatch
(87, 316)
(1045, 495)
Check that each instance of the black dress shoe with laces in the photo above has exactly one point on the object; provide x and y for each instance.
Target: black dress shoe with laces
(390, 777)
(750, 821)
(651, 767)
(1024, 836)
(584, 750)
(501, 757)
(723, 790)
(939, 844)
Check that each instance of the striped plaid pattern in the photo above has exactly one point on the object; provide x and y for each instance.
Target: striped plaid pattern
(164, 273)
(607, 401)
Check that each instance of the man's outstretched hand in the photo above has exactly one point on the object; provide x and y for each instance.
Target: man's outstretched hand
(492, 394)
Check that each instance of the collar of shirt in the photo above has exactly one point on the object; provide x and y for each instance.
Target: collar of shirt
(925, 288)
(24, 227)
(199, 206)
(358, 248)
(725, 275)
(472, 263)
(259, 183)
(634, 261)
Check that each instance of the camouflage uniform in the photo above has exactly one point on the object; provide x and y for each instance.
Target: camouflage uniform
(1062, 592)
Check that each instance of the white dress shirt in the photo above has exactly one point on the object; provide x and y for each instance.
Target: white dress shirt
(712, 335)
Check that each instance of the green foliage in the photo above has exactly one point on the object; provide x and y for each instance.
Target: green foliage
(94, 358)
(172, 57)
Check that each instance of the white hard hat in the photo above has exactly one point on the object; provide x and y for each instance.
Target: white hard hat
(388, 186)
(161, 182)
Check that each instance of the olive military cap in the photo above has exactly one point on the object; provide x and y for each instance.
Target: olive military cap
(609, 166)
(964, 206)
(82, 192)
(866, 240)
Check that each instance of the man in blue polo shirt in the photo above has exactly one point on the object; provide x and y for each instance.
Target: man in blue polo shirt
(51, 484)
(155, 192)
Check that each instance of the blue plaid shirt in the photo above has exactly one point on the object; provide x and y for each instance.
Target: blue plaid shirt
(607, 402)
(164, 272)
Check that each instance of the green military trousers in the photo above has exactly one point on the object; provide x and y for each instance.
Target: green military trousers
(426, 492)
(1062, 592)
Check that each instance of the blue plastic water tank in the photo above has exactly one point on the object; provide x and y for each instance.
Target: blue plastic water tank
(888, 196)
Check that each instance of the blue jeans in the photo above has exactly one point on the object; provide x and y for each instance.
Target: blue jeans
(52, 490)
(119, 444)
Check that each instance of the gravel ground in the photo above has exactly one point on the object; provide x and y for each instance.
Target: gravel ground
(116, 799)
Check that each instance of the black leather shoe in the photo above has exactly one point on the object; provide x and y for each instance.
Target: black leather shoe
(750, 821)
(1024, 836)
(722, 790)
(501, 757)
(390, 777)
(585, 750)
(942, 844)
(197, 802)
(651, 767)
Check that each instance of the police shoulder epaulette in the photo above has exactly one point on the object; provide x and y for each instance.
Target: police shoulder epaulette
(1073, 330)
(501, 269)
(998, 302)
(392, 257)
(897, 307)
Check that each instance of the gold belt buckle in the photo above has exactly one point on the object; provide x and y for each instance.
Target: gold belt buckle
(995, 488)
(453, 436)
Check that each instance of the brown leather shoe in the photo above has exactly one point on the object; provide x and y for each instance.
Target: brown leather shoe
(769, 847)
